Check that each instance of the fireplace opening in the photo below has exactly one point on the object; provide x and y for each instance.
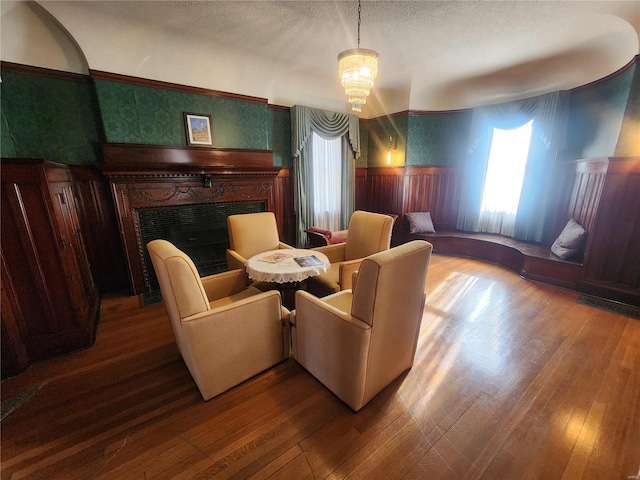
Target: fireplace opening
(199, 230)
(205, 245)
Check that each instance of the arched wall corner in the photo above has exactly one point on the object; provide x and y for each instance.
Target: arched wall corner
(31, 35)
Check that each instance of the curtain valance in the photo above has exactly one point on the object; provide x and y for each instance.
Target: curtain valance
(549, 112)
(327, 124)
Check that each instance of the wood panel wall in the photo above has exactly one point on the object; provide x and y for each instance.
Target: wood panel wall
(285, 209)
(400, 190)
(435, 190)
(361, 189)
(99, 229)
(50, 304)
(578, 189)
(385, 190)
(14, 355)
(613, 266)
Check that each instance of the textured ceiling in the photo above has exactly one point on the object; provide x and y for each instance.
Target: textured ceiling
(433, 55)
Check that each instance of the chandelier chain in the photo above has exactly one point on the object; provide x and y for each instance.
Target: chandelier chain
(359, 10)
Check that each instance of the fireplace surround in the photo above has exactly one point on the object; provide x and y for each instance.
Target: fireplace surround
(192, 190)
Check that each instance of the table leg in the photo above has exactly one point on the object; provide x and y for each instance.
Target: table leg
(288, 293)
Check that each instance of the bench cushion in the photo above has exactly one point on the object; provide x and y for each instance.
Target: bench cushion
(569, 243)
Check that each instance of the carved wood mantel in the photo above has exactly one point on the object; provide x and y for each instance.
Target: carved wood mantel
(149, 176)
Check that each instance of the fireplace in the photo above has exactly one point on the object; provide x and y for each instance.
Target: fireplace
(199, 230)
(184, 195)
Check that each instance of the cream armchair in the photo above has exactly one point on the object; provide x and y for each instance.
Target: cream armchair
(368, 233)
(357, 342)
(250, 234)
(226, 332)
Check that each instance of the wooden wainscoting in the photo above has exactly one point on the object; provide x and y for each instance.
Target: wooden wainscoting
(400, 190)
(361, 189)
(578, 188)
(385, 189)
(99, 228)
(285, 210)
(435, 190)
(613, 256)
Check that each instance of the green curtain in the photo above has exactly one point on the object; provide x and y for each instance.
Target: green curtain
(549, 113)
(329, 125)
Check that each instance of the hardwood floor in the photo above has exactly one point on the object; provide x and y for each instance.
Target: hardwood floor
(512, 380)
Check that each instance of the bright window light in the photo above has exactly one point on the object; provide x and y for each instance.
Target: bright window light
(327, 182)
(505, 170)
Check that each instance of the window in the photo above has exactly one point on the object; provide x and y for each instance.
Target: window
(503, 181)
(327, 182)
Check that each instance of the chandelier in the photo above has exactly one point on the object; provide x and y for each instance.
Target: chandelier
(358, 68)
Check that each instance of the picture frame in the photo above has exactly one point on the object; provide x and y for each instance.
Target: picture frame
(198, 129)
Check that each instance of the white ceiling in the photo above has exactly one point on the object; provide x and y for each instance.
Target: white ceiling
(434, 55)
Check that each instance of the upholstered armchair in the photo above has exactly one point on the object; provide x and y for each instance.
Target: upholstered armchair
(226, 331)
(368, 233)
(356, 342)
(250, 234)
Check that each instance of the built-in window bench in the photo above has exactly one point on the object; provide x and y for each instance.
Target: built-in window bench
(530, 260)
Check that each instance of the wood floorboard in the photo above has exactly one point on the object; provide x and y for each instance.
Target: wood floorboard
(512, 380)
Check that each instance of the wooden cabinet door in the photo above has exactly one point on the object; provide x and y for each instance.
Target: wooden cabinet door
(72, 250)
(52, 301)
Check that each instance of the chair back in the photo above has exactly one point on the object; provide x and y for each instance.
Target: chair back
(368, 233)
(389, 296)
(180, 284)
(253, 233)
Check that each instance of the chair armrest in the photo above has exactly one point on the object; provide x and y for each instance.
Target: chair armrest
(260, 300)
(235, 260)
(318, 237)
(320, 312)
(347, 269)
(225, 346)
(224, 284)
(284, 245)
(330, 301)
(320, 329)
(319, 231)
(335, 252)
(339, 236)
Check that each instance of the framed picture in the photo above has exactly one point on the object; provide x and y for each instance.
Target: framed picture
(198, 129)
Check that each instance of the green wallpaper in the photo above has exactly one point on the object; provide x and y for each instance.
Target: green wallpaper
(380, 129)
(63, 120)
(7, 148)
(280, 136)
(595, 118)
(51, 118)
(138, 114)
(438, 139)
(362, 160)
(425, 139)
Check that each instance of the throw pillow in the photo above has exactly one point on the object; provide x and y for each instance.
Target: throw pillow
(420, 222)
(570, 241)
